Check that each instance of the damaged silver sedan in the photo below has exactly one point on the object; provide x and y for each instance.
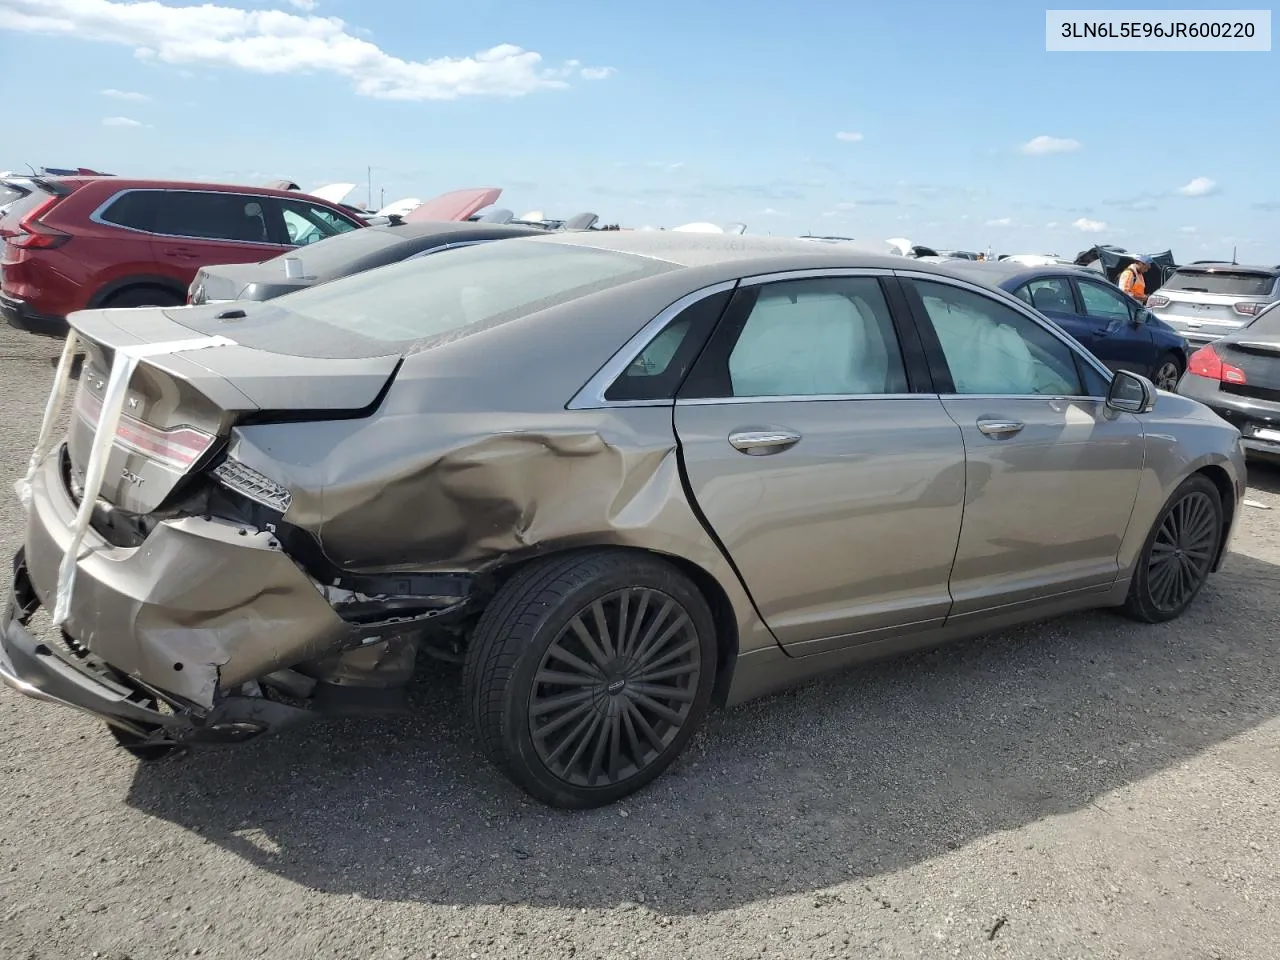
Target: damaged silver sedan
(621, 477)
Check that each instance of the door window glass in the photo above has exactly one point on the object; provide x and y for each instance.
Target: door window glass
(308, 223)
(135, 209)
(830, 336)
(1101, 302)
(1051, 294)
(212, 216)
(990, 348)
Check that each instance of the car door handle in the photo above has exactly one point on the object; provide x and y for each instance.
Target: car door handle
(760, 442)
(1000, 428)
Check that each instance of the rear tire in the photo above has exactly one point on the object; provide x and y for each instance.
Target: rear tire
(143, 297)
(1178, 554)
(588, 673)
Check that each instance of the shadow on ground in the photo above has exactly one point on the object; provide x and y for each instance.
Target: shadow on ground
(1264, 475)
(865, 772)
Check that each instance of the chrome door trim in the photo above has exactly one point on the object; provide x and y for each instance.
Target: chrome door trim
(801, 398)
(1009, 300)
(591, 395)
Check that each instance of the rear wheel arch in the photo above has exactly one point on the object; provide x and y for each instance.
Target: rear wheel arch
(1227, 492)
(717, 599)
(123, 288)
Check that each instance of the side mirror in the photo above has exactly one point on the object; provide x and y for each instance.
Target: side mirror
(1131, 393)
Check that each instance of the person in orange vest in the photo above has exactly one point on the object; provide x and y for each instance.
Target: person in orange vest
(1132, 280)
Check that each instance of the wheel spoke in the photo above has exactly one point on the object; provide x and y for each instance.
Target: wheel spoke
(624, 608)
(589, 642)
(602, 629)
(649, 734)
(573, 737)
(651, 675)
(558, 652)
(653, 706)
(566, 679)
(646, 653)
(673, 654)
(553, 704)
(676, 694)
(637, 624)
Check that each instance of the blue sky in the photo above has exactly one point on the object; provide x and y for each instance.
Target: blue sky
(660, 113)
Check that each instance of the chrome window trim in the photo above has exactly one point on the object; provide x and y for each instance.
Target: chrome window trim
(591, 395)
(1003, 296)
(814, 274)
(96, 217)
(803, 398)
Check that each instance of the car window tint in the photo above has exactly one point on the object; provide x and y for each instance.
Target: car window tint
(1101, 302)
(308, 223)
(1023, 293)
(823, 337)
(990, 348)
(135, 209)
(212, 216)
(657, 372)
(1051, 294)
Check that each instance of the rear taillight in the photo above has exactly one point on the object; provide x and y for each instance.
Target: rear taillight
(177, 447)
(33, 235)
(1206, 363)
(1247, 308)
(1157, 300)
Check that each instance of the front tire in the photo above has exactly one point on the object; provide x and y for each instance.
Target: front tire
(1167, 373)
(588, 673)
(1179, 552)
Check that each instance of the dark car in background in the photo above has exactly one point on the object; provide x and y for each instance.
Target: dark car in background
(342, 256)
(75, 243)
(1204, 301)
(1238, 377)
(1117, 329)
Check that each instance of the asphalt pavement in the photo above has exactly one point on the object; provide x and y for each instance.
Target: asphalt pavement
(1087, 788)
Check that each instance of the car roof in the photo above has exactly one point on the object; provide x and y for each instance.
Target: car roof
(127, 183)
(462, 229)
(1004, 274)
(715, 249)
(1209, 266)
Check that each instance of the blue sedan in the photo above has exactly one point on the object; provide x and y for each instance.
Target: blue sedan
(1118, 330)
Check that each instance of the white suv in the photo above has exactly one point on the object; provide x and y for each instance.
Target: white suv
(1204, 301)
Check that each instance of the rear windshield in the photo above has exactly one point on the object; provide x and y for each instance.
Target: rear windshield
(1222, 282)
(457, 292)
(14, 208)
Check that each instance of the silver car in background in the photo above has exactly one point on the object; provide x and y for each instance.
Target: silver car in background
(1204, 301)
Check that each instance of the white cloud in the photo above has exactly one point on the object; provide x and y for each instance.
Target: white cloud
(849, 136)
(1188, 230)
(278, 42)
(1089, 226)
(1051, 224)
(1199, 187)
(597, 73)
(120, 122)
(124, 95)
(1042, 146)
(770, 212)
(1002, 222)
(307, 5)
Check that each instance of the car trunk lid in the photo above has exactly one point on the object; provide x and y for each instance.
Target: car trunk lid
(179, 405)
(1257, 355)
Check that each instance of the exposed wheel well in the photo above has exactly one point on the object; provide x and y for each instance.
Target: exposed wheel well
(1226, 490)
(721, 609)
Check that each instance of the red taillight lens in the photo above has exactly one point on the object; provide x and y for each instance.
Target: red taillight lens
(1157, 300)
(1247, 309)
(177, 447)
(33, 235)
(1206, 363)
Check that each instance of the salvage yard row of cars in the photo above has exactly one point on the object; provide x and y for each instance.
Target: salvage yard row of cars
(620, 477)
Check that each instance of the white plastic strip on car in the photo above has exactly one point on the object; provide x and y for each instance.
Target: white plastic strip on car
(122, 367)
(52, 409)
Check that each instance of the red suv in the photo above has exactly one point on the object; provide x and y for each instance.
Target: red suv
(76, 243)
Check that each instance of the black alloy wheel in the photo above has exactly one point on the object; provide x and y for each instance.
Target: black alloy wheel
(588, 673)
(1179, 552)
(1167, 373)
(615, 687)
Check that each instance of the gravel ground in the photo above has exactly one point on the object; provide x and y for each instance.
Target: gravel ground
(1088, 788)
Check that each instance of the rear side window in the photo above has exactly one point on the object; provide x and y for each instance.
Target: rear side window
(1049, 293)
(661, 366)
(1231, 284)
(135, 209)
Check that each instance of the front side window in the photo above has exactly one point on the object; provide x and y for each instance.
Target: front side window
(991, 349)
(829, 336)
(1051, 294)
(307, 223)
(1101, 302)
(211, 216)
